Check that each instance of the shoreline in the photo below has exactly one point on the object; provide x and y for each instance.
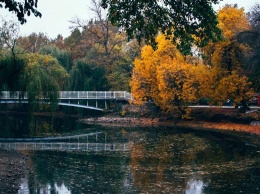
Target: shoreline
(246, 133)
(145, 122)
(13, 166)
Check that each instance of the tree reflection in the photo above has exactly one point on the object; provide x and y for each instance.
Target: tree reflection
(186, 162)
(161, 160)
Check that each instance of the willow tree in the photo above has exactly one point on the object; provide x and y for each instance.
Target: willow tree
(87, 77)
(42, 78)
(10, 71)
(63, 56)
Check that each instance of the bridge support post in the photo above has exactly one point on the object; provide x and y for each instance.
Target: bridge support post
(96, 104)
(106, 104)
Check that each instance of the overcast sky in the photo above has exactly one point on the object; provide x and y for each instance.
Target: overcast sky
(57, 13)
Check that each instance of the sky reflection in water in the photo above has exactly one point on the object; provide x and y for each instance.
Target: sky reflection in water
(161, 160)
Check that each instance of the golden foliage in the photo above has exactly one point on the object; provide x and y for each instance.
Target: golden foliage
(166, 78)
(228, 54)
(177, 85)
(232, 21)
(173, 81)
(143, 84)
(233, 87)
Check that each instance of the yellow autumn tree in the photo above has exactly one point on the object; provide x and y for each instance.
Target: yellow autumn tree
(226, 60)
(178, 86)
(232, 20)
(228, 54)
(234, 87)
(144, 84)
(173, 81)
(143, 78)
(164, 77)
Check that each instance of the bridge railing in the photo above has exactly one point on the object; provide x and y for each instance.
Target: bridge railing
(94, 95)
(73, 95)
(66, 146)
(13, 95)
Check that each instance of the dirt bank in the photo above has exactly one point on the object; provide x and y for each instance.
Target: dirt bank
(217, 119)
(12, 169)
(131, 122)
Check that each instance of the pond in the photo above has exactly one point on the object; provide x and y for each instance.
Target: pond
(155, 160)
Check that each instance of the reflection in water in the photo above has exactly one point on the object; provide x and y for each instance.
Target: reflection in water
(62, 189)
(78, 172)
(194, 187)
(161, 160)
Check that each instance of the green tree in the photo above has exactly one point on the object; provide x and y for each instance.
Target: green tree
(87, 77)
(63, 56)
(73, 44)
(42, 78)
(10, 71)
(185, 22)
(11, 65)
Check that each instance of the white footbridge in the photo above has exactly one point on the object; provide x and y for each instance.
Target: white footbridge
(81, 99)
(73, 143)
(64, 146)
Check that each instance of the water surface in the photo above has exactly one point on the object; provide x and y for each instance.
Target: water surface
(161, 160)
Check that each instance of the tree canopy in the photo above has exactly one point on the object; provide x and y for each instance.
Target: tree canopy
(21, 8)
(185, 22)
(251, 37)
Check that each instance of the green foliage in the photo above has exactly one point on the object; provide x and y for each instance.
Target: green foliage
(40, 76)
(184, 22)
(21, 9)
(10, 71)
(87, 77)
(43, 77)
(73, 44)
(63, 56)
(119, 81)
